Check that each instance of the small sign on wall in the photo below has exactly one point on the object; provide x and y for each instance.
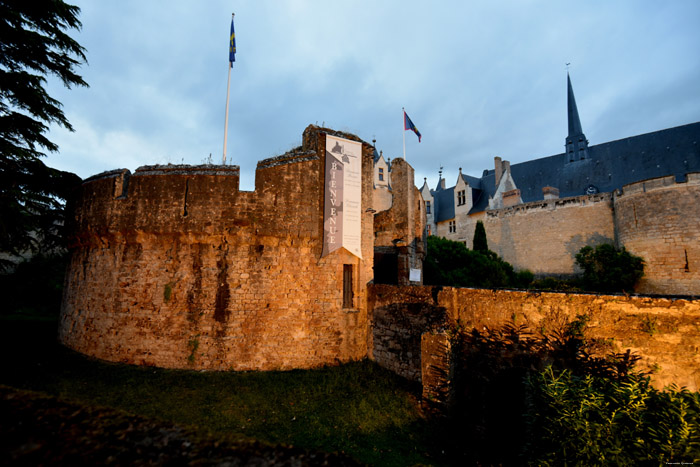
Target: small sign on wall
(414, 275)
(342, 204)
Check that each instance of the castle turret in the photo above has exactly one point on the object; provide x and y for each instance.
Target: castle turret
(576, 142)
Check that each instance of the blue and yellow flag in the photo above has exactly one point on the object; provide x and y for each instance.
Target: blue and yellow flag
(232, 45)
(408, 125)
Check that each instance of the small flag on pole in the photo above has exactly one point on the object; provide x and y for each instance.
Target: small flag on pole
(408, 125)
(232, 45)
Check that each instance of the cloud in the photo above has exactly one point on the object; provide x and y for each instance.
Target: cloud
(479, 79)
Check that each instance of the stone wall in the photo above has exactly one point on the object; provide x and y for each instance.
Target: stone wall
(400, 230)
(544, 236)
(174, 266)
(398, 324)
(659, 220)
(656, 219)
(665, 332)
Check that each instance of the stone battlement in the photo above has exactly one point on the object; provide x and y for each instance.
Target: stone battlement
(174, 266)
(550, 205)
(658, 183)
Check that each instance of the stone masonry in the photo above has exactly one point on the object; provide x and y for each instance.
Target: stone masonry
(174, 266)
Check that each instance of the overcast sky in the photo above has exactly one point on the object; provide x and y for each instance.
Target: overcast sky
(478, 79)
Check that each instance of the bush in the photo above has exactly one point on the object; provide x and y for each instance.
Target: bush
(589, 420)
(555, 404)
(553, 283)
(480, 242)
(452, 264)
(607, 269)
(35, 287)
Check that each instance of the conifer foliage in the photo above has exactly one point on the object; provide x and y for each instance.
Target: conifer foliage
(480, 242)
(34, 44)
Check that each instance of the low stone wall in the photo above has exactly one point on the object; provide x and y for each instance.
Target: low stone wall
(397, 335)
(665, 332)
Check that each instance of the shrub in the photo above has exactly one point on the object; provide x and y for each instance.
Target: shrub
(35, 287)
(480, 242)
(607, 269)
(555, 404)
(452, 264)
(553, 283)
(589, 420)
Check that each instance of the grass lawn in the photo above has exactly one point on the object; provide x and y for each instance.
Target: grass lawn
(358, 408)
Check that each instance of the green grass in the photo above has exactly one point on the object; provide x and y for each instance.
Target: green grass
(357, 408)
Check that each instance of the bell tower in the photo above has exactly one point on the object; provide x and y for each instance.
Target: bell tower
(576, 142)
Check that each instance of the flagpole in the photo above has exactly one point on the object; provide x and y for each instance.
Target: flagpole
(228, 91)
(403, 117)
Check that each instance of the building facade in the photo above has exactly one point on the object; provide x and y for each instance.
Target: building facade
(538, 214)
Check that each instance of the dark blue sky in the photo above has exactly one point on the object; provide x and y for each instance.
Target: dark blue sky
(478, 79)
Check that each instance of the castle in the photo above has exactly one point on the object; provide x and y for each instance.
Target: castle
(174, 266)
(641, 192)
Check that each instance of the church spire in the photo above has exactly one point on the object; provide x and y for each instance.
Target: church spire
(576, 142)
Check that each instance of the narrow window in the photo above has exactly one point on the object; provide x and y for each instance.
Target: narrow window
(347, 286)
(427, 207)
(429, 231)
(381, 175)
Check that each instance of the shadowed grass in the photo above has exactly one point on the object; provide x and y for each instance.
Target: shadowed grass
(357, 408)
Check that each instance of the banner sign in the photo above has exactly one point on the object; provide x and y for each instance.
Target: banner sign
(342, 203)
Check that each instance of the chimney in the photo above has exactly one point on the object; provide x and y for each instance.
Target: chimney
(549, 192)
(498, 167)
(506, 166)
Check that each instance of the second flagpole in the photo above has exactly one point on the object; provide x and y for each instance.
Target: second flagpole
(403, 131)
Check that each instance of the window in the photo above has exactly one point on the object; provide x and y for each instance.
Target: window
(347, 286)
(427, 207)
(461, 198)
(381, 175)
(429, 231)
(452, 227)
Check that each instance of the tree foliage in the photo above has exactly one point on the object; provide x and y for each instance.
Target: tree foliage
(452, 264)
(33, 45)
(558, 404)
(607, 269)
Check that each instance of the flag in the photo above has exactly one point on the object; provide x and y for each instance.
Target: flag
(232, 45)
(408, 125)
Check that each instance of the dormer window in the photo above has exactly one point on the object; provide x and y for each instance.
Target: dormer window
(381, 174)
(461, 198)
(427, 207)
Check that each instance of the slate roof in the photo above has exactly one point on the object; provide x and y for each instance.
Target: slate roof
(444, 204)
(608, 167)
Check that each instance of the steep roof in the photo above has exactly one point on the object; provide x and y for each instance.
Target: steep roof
(575, 128)
(444, 204)
(608, 167)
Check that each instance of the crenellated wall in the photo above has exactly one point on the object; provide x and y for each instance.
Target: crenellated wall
(174, 266)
